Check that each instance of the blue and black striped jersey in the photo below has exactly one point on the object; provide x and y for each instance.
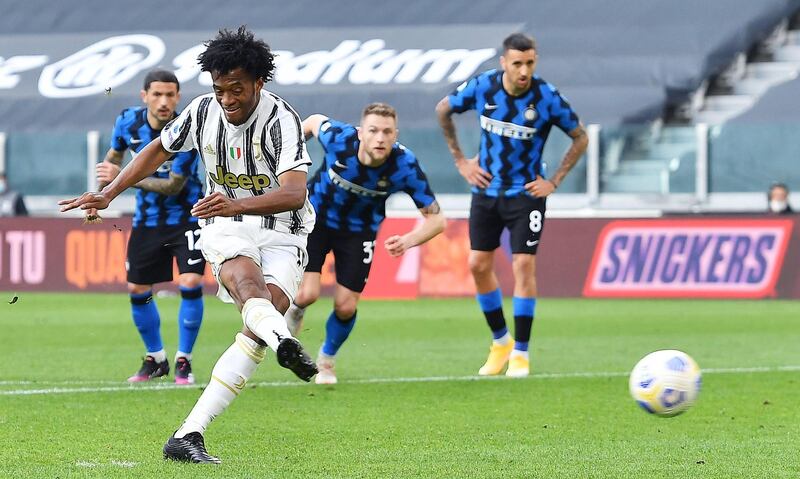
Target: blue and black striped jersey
(132, 131)
(514, 128)
(350, 196)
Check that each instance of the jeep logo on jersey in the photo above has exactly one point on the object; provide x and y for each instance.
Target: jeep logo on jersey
(670, 258)
(245, 182)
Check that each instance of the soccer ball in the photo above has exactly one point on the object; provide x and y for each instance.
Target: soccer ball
(665, 383)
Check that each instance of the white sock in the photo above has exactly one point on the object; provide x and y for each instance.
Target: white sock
(228, 379)
(159, 356)
(294, 317)
(261, 317)
(504, 340)
(181, 354)
(295, 311)
(517, 353)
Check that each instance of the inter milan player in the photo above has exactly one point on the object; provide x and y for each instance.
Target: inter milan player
(255, 218)
(163, 228)
(516, 110)
(362, 167)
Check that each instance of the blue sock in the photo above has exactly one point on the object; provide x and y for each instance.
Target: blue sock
(524, 311)
(147, 320)
(190, 316)
(336, 333)
(491, 304)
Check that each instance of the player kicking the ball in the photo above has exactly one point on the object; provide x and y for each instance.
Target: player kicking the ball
(363, 166)
(255, 217)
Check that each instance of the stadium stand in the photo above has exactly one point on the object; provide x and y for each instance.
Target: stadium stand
(618, 62)
(777, 105)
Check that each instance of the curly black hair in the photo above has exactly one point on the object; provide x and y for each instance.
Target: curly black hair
(240, 49)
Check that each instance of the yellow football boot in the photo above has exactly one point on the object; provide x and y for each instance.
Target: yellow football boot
(498, 357)
(518, 367)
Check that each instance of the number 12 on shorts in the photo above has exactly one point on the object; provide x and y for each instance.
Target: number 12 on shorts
(369, 251)
(190, 239)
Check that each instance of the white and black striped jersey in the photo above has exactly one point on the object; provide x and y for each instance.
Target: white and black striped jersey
(245, 160)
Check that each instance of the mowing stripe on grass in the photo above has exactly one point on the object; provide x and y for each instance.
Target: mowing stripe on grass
(172, 387)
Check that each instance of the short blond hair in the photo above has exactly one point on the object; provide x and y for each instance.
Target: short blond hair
(380, 109)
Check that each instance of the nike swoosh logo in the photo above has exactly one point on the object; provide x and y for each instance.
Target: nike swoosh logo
(135, 142)
(489, 107)
(531, 243)
(193, 262)
(336, 163)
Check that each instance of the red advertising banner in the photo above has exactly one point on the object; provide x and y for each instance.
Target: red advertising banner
(689, 258)
(62, 254)
(741, 257)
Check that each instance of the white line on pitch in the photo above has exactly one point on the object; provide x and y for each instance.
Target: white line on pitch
(172, 387)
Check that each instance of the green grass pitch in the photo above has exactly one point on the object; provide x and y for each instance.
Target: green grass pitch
(408, 404)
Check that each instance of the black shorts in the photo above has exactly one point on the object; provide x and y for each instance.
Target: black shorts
(523, 215)
(151, 249)
(353, 253)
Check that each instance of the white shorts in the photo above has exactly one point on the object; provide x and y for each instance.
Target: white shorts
(281, 256)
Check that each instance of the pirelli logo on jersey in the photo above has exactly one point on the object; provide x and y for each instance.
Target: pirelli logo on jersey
(354, 188)
(509, 130)
(245, 182)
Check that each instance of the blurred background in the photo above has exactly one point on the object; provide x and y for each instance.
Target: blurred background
(692, 107)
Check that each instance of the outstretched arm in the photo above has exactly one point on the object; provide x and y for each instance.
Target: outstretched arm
(432, 225)
(145, 163)
(469, 169)
(541, 187)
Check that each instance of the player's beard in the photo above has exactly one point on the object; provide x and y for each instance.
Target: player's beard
(379, 157)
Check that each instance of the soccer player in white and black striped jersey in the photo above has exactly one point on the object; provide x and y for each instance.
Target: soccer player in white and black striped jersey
(255, 217)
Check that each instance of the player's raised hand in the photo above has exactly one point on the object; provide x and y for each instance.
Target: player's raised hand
(473, 173)
(106, 172)
(397, 245)
(86, 201)
(540, 187)
(215, 204)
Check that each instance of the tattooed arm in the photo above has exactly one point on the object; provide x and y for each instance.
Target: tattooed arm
(148, 160)
(543, 187)
(164, 186)
(579, 143)
(110, 168)
(432, 225)
(111, 162)
(106, 171)
(468, 168)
